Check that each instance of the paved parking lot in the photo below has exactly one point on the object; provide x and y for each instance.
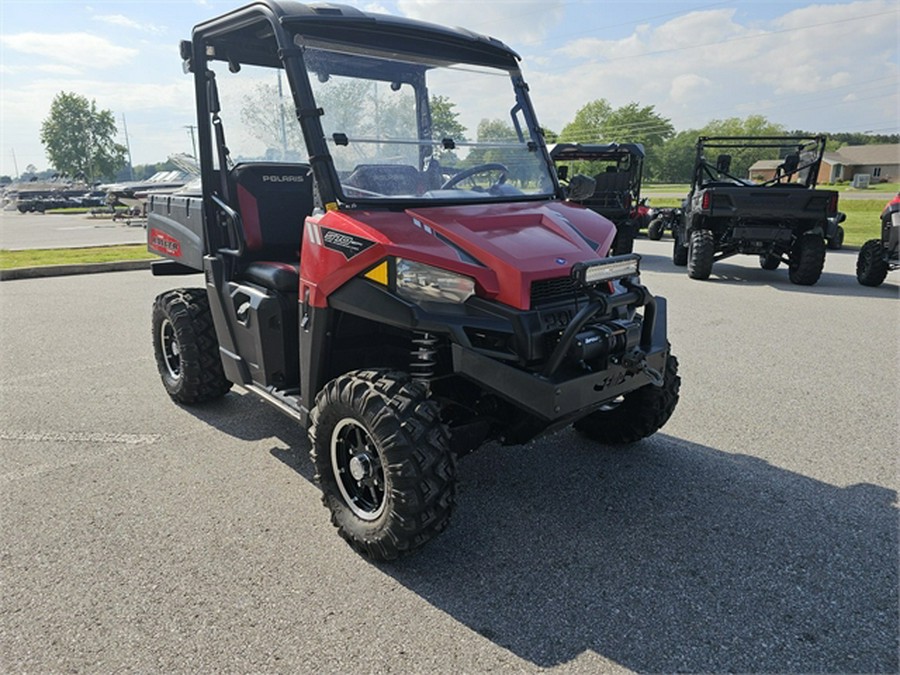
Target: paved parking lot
(38, 230)
(757, 532)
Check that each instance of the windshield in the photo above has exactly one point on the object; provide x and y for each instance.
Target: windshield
(402, 128)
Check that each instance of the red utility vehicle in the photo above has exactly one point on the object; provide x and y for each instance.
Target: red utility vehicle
(386, 257)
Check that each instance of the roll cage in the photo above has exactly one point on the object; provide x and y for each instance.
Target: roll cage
(801, 157)
(285, 34)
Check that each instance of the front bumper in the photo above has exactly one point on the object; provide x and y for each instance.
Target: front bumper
(557, 396)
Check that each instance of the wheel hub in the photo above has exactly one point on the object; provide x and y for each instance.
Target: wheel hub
(361, 466)
(357, 469)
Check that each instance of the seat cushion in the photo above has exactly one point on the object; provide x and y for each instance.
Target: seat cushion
(278, 276)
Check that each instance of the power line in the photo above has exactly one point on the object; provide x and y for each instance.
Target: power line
(755, 36)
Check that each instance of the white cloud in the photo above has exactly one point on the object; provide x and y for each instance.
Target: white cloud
(122, 21)
(118, 20)
(73, 49)
(688, 87)
(714, 64)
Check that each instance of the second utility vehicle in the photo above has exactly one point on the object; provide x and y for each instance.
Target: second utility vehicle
(618, 170)
(383, 254)
(783, 219)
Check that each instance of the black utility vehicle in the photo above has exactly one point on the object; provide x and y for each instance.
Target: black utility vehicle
(403, 293)
(663, 220)
(617, 169)
(877, 257)
(782, 219)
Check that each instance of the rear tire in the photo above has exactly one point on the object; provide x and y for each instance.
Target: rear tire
(807, 259)
(186, 348)
(700, 254)
(638, 414)
(655, 229)
(871, 267)
(383, 462)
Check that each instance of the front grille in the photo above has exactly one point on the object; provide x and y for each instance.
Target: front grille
(553, 290)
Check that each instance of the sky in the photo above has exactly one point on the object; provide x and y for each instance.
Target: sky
(830, 66)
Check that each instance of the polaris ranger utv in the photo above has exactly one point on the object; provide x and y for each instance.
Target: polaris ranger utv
(618, 171)
(782, 220)
(404, 290)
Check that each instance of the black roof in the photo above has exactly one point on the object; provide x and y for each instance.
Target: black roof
(594, 151)
(254, 33)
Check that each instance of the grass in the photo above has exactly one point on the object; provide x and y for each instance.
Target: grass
(863, 217)
(40, 257)
(876, 189)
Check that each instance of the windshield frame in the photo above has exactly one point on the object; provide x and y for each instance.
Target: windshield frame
(397, 66)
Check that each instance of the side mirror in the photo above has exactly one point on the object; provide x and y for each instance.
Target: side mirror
(723, 163)
(581, 187)
(562, 172)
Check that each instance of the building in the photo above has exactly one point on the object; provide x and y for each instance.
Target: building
(880, 162)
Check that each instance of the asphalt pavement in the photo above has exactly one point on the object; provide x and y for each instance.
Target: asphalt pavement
(757, 532)
(38, 230)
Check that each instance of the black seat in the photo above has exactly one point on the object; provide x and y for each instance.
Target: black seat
(273, 200)
(386, 179)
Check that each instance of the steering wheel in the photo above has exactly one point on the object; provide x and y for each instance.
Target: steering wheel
(454, 180)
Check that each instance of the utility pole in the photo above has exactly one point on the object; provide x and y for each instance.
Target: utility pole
(128, 149)
(15, 163)
(191, 127)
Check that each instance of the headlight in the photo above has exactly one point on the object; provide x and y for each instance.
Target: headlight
(420, 283)
(609, 269)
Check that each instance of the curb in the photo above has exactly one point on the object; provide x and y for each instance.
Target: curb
(67, 270)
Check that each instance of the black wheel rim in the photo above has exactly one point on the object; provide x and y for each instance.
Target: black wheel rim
(171, 351)
(357, 468)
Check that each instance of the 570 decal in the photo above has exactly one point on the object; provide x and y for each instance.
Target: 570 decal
(346, 244)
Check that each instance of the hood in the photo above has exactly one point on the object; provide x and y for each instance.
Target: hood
(505, 247)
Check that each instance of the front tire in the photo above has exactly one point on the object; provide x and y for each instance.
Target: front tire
(624, 241)
(679, 250)
(807, 259)
(655, 229)
(871, 267)
(700, 254)
(186, 348)
(383, 462)
(637, 414)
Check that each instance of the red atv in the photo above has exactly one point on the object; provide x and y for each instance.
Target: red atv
(384, 254)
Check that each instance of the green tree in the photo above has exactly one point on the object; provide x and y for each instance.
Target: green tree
(676, 158)
(496, 131)
(599, 122)
(445, 121)
(80, 139)
(589, 123)
(269, 116)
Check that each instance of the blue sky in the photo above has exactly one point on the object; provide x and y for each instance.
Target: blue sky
(825, 66)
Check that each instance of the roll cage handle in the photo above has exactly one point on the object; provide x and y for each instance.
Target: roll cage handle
(231, 223)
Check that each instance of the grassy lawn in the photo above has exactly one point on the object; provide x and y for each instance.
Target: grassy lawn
(69, 256)
(876, 190)
(862, 222)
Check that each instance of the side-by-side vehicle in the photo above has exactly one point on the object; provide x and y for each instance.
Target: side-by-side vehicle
(384, 254)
